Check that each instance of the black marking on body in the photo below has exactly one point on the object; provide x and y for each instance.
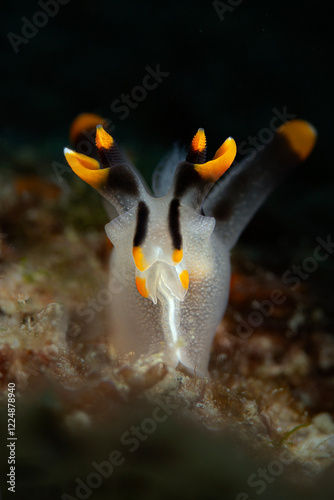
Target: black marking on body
(174, 224)
(121, 178)
(186, 178)
(142, 221)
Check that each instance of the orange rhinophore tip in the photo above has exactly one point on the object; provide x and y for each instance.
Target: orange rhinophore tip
(103, 139)
(223, 159)
(141, 286)
(198, 143)
(85, 122)
(107, 148)
(301, 136)
(197, 150)
(86, 168)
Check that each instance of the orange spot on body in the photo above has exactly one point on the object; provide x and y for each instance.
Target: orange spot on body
(139, 259)
(184, 278)
(141, 286)
(212, 170)
(177, 256)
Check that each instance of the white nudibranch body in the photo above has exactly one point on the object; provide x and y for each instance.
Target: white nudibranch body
(180, 302)
(172, 249)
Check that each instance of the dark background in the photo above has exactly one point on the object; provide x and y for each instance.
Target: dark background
(224, 75)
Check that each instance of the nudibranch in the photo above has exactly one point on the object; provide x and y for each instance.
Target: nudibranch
(173, 247)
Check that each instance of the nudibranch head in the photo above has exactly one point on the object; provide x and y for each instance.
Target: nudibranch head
(157, 250)
(160, 233)
(164, 239)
